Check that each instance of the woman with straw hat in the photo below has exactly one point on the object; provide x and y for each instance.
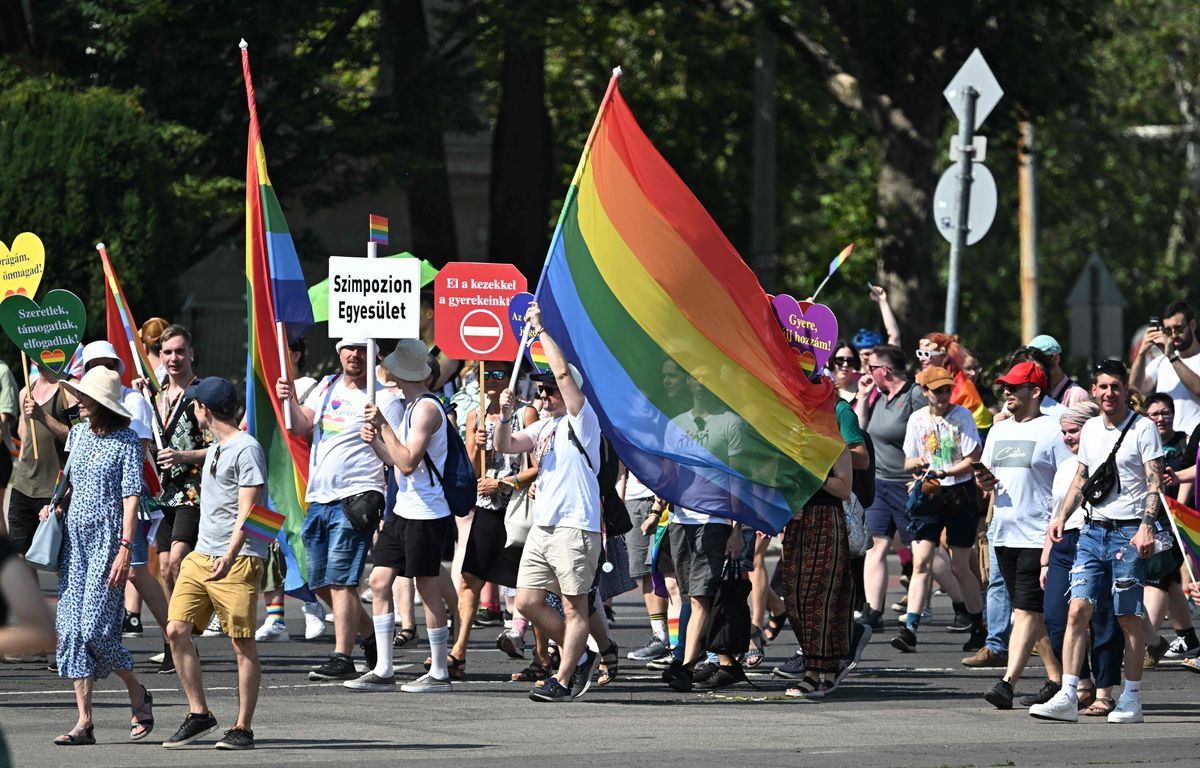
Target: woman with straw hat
(105, 471)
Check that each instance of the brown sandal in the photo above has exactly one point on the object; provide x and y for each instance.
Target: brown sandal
(535, 672)
(456, 667)
(610, 661)
(1085, 697)
(1100, 708)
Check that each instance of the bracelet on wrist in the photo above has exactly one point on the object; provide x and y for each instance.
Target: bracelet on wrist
(126, 543)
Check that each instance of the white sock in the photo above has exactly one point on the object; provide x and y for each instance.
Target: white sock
(1133, 689)
(1070, 686)
(437, 652)
(385, 626)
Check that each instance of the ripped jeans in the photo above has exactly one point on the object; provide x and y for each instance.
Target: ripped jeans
(1107, 568)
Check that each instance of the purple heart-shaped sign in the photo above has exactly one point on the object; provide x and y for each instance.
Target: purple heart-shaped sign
(516, 319)
(811, 329)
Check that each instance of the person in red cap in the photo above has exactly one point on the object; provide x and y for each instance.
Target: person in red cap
(1022, 455)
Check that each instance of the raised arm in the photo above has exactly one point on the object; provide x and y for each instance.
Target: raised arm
(572, 395)
(879, 296)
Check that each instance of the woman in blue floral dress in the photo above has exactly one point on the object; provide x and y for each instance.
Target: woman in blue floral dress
(106, 480)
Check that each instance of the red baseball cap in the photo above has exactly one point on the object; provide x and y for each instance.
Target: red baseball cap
(1025, 373)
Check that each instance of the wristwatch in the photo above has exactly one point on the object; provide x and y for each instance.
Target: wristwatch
(1174, 357)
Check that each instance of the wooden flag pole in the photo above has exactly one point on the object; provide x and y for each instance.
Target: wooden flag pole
(29, 394)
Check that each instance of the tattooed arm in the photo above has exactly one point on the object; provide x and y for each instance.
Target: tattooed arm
(1143, 540)
(1071, 502)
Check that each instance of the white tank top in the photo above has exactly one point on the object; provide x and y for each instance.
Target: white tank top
(419, 495)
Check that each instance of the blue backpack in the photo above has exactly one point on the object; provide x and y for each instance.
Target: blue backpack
(459, 484)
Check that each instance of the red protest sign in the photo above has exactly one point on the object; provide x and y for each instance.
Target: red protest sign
(470, 307)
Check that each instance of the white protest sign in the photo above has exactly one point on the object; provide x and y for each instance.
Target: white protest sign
(374, 298)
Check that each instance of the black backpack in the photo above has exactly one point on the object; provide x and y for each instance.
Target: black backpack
(616, 517)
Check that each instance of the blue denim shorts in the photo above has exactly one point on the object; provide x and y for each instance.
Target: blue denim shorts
(336, 552)
(1108, 568)
(141, 545)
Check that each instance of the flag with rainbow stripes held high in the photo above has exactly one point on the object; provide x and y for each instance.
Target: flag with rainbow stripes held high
(694, 385)
(122, 329)
(377, 229)
(275, 292)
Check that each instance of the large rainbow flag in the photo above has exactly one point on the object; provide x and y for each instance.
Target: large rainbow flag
(122, 333)
(676, 340)
(1187, 528)
(275, 292)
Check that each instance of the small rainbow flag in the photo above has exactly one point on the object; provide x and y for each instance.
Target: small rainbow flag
(263, 523)
(1187, 527)
(379, 229)
(840, 259)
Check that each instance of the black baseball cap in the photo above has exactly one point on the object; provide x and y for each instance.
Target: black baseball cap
(212, 391)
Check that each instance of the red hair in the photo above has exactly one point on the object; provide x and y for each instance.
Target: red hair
(954, 350)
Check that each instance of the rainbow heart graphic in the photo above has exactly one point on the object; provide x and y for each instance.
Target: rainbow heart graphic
(53, 358)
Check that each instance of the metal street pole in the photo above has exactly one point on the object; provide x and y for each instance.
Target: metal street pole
(1027, 195)
(962, 204)
(763, 248)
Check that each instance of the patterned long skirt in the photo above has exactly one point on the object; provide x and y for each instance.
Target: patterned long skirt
(818, 589)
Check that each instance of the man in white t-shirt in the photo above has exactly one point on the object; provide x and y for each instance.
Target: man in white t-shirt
(562, 551)
(1176, 369)
(345, 496)
(419, 527)
(1022, 454)
(1117, 537)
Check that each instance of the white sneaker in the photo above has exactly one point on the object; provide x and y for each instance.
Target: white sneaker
(1128, 710)
(272, 631)
(1060, 707)
(427, 683)
(314, 620)
(158, 658)
(367, 596)
(214, 627)
(371, 682)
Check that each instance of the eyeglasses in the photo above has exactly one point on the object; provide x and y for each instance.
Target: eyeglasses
(847, 361)
(1159, 415)
(925, 354)
(547, 391)
(874, 368)
(943, 390)
(1175, 330)
(494, 375)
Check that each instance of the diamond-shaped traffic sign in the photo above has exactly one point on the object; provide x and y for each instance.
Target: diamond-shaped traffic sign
(975, 73)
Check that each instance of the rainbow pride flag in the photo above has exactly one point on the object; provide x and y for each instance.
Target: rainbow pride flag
(263, 523)
(378, 229)
(275, 292)
(1187, 527)
(840, 259)
(120, 326)
(678, 347)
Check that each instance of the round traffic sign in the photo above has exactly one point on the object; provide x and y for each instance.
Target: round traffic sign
(481, 331)
(983, 202)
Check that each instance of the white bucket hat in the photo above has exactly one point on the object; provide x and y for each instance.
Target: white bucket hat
(102, 385)
(409, 361)
(101, 350)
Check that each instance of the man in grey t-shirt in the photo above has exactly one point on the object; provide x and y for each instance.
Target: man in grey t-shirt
(225, 570)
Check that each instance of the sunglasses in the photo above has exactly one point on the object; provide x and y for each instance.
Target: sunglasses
(1014, 387)
(874, 368)
(925, 354)
(547, 391)
(942, 390)
(494, 375)
(848, 361)
(1112, 367)
(1175, 330)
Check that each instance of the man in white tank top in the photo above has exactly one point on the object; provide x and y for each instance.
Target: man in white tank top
(417, 530)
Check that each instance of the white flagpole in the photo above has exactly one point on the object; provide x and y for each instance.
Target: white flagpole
(372, 349)
(1175, 529)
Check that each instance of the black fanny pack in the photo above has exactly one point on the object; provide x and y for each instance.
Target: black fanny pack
(1101, 483)
(363, 510)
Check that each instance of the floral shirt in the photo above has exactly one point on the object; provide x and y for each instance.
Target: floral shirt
(181, 482)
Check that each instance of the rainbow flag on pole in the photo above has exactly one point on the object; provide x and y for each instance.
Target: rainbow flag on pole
(378, 229)
(263, 523)
(1187, 528)
(644, 293)
(840, 259)
(121, 328)
(275, 292)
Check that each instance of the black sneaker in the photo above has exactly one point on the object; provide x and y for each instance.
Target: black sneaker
(167, 667)
(486, 617)
(678, 677)
(369, 650)
(976, 640)
(339, 667)
(722, 677)
(872, 618)
(132, 626)
(237, 738)
(793, 668)
(905, 641)
(703, 671)
(1158, 648)
(581, 679)
(961, 622)
(550, 692)
(1044, 694)
(194, 726)
(1000, 695)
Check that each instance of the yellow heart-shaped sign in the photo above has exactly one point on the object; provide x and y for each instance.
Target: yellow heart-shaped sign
(21, 266)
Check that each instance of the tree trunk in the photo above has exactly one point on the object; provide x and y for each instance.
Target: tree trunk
(522, 164)
(14, 29)
(430, 207)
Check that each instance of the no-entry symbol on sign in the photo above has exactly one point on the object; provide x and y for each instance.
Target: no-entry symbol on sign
(470, 303)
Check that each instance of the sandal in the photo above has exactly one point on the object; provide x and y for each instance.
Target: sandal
(1086, 697)
(456, 667)
(1100, 708)
(610, 661)
(535, 672)
(145, 723)
(755, 655)
(1192, 665)
(404, 637)
(77, 739)
(810, 688)
(775, 626)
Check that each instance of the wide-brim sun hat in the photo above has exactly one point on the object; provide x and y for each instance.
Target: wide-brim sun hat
(409, 361)
(102, 385)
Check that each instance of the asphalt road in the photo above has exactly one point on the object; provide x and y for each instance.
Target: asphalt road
(922, 709)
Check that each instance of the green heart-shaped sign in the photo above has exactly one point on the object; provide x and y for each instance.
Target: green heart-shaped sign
(48, 332)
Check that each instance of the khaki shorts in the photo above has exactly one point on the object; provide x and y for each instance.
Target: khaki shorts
(559, 560)
(234, 598)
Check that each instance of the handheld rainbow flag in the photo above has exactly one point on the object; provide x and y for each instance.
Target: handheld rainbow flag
(682, 359)
(378, 229)
(1185, 521)
(120, 326)
(275, 292)
(263, 523)
(838, 261)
